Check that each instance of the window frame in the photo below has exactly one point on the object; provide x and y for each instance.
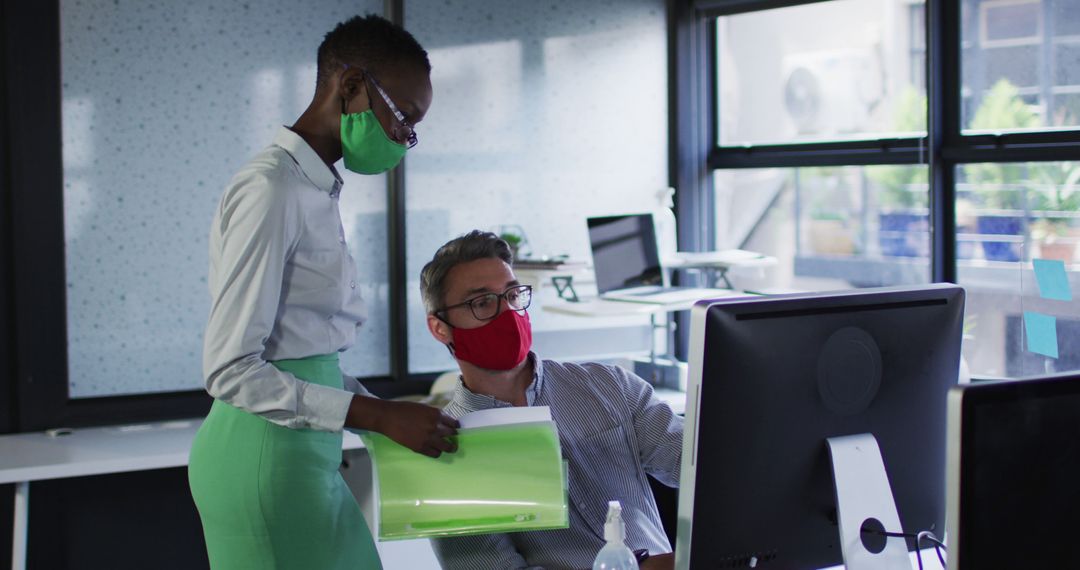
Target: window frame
(944, 148)
(34, 392)
(7, 390)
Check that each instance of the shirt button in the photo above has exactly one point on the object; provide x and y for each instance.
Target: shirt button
(581, 505)
(341, 239)
(352, 284)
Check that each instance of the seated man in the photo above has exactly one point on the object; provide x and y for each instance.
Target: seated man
(612, 429)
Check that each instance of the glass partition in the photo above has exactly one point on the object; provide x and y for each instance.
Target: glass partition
(544, 114)
(162, 103)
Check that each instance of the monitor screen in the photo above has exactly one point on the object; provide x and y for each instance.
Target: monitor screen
(1014, 474)
(771, 379)
(624, 252)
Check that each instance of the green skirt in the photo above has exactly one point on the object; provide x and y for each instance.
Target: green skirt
(270, 497)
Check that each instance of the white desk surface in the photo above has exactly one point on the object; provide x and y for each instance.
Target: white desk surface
(604, 308)
(597, 307)
(724, 259)
(95, 451)
(117, 449)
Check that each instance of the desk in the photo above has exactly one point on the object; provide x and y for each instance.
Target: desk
(718, 263)
(597, 307)
(28, 457)
(605, 308)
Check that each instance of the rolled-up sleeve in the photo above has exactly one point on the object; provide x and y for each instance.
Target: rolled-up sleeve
(256, 229)
(355, 386)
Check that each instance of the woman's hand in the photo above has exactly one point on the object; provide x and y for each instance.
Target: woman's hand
(419, 427)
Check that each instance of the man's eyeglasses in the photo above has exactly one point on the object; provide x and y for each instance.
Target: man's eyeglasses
(486, 306)
(402, 131)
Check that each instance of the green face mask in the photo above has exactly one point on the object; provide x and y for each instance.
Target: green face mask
(364, 145)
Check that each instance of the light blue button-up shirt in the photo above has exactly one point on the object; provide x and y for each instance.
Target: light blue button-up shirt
(283, 286)
(612, 431)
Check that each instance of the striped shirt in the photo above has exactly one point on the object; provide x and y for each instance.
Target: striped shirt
(612, 431)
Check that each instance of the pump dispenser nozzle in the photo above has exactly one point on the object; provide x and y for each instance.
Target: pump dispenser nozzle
(613, 527)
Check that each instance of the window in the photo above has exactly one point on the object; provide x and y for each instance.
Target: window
(845, 77)
(1021, 65)
(853, 77)
(829, 227)
(1007, 215)
(838, 186)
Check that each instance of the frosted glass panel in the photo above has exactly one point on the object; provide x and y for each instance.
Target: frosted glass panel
(544, 113)
(162, 102)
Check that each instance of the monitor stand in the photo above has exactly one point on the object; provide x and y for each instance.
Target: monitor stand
(863, 495)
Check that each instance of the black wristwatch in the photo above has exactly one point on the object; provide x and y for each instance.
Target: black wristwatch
(641, 554)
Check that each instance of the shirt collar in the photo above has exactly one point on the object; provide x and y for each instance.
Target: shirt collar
(537, 386)
(322, 176)
(471, 401)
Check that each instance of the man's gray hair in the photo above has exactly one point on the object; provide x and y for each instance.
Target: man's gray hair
(469, 247)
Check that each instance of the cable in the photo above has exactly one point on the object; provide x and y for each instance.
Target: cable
(938, 546)
(919, 538)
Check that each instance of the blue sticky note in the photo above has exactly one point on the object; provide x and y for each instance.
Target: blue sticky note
(1041, 333)
(1053, 282)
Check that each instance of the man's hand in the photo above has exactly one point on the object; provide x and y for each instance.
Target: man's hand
(421, 428)
(659, 562)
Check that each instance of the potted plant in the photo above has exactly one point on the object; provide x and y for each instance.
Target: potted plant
(829, 234)
(1053, 239)
(1001, 189)
(903, 215)
(828, 228)
(1052, 230)
(514, 236)
(965, 226)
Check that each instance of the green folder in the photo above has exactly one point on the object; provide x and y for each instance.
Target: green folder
(503, 478)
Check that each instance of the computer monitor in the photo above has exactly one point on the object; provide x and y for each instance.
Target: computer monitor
(1014, 474)
(625, 252)
(776, 383)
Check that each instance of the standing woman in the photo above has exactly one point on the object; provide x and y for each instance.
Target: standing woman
(264, 465)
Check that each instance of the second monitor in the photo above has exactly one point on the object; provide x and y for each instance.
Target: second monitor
(789, 399)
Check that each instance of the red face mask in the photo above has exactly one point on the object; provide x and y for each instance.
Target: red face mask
(499, 345)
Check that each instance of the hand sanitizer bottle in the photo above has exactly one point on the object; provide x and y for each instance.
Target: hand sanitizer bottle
(664, 221)
(615, 555)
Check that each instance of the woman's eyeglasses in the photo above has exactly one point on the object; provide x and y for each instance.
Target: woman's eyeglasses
(402, 131)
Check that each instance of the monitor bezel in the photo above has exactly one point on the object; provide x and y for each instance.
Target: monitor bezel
(840, 301)
(963, 400)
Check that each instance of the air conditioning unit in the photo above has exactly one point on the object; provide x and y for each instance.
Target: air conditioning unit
(832, 92)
